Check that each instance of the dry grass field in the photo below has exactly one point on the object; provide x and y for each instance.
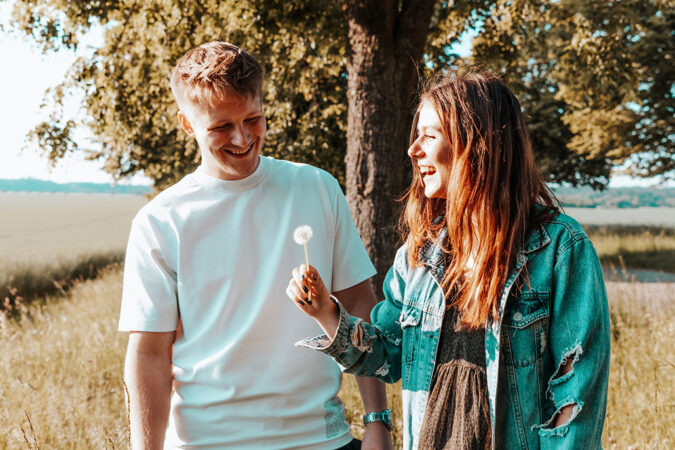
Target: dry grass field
(49, 240)
(62, 367)
(61, 363)
(39, 226)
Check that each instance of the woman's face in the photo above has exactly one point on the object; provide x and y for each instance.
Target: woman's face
(431, 152)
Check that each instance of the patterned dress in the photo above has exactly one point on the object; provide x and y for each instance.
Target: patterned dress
(458, 415)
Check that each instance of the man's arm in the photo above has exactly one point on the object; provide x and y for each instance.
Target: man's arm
(148, 378)
(359, 300)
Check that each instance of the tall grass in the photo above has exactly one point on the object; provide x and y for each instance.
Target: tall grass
(62, 367)
(354, 408)
(637, 247)
(641, 400)
(27, 280)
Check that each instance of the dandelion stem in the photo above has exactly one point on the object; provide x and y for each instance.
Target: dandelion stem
(309, 279)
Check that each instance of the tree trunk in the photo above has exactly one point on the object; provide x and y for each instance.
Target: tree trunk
(385, 43)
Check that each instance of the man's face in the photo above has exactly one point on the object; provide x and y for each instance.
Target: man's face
(230, 132)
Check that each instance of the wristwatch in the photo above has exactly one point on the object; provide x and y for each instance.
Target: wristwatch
(380, 416)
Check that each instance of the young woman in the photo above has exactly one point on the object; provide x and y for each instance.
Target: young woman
(495, 315)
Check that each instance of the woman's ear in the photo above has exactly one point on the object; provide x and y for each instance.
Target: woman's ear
(185, 123)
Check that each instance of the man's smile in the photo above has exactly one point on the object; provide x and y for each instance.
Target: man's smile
(243, 152)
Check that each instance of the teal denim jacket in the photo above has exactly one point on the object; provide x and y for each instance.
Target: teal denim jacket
(553, 307)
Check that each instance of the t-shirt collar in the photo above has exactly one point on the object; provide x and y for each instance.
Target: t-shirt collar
(243, 184)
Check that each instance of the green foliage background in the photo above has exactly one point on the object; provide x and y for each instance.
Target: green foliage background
(594, 77)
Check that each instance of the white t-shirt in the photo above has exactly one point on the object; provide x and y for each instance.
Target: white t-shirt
(215, 257)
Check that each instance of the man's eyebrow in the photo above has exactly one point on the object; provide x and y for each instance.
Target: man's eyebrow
(218, 124)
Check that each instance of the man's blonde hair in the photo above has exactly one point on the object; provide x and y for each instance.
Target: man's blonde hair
(214, 70)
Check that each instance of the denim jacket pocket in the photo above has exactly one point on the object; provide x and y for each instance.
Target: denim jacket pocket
(411, 318)
(526, 328)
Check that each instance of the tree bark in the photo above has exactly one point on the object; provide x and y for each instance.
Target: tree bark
(385, 45)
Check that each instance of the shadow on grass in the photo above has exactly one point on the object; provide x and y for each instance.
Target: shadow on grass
(629, 230)
(26, 282)
(656, 260)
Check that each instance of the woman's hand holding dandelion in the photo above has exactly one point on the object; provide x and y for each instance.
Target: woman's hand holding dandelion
(308, 292)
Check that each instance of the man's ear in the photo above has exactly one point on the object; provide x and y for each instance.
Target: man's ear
(185, 123)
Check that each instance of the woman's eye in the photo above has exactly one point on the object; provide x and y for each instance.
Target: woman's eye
(429, 136)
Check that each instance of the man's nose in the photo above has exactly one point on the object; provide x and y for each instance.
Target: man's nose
(239, 136)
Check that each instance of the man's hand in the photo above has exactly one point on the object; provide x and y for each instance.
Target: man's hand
(377, 437)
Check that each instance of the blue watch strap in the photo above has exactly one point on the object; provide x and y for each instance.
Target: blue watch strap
(380, 416)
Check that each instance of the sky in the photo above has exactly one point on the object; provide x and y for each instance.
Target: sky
(22, 88)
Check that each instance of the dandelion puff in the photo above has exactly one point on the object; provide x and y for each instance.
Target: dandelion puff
(303, 234)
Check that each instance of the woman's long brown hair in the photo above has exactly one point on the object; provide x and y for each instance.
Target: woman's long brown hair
(492, 190)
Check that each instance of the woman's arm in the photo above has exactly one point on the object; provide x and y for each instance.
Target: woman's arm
(358, 347)
(580, 342)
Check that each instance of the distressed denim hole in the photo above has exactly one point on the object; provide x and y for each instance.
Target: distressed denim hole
(564, 371)
(558, 424)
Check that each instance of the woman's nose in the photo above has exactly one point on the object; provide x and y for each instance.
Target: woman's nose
(415, 150)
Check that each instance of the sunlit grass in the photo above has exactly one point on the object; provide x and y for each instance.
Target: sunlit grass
(641, 400)
(62, 365)
(25, 280)
(354, 408)
(635, 246)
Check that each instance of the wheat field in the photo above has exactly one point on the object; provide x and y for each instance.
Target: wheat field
(62, 357)
(38, 226)
(62, 369)
(47, 241)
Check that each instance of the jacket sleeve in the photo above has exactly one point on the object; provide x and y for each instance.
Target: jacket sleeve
(364, 349)
(578, 334)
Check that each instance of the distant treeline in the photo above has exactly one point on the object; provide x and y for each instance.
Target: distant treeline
(580, 197)
(629, 197)
(35, 185)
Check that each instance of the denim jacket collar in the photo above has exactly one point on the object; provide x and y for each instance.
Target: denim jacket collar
(536, 240)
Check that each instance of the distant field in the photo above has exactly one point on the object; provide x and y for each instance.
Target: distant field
(40, 226)
(47, 241)
(662, 216)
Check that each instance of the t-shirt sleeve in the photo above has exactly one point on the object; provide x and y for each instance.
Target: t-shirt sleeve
(351, 264)
(149, 294)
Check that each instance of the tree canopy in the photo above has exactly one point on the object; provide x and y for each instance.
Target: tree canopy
(594, 77)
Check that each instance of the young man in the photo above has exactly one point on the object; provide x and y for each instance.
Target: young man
(211, 361)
